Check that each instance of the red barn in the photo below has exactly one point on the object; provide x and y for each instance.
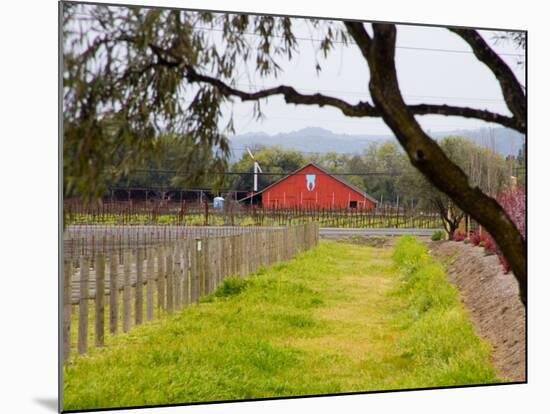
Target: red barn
(313, 187)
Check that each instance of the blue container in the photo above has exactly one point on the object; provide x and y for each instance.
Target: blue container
(218, 202)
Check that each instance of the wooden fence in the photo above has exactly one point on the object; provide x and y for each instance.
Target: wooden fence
(120, 288)
(89, 240)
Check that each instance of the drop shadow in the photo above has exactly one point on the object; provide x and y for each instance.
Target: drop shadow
(49, 403)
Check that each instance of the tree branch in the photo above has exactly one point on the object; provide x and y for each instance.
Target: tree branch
(511, 88)
(360, 35)
(467, 112)
(443, 215)
(162, 56)
(362, 109)
(290, 95)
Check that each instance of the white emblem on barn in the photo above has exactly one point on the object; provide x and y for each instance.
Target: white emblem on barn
(310, 182)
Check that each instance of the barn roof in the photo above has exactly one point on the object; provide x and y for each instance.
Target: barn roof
(353, 187)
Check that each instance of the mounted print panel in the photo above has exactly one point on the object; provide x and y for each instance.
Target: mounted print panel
(262, 206)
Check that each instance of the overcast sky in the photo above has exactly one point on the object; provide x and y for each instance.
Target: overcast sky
(434, 66)
(450, 74)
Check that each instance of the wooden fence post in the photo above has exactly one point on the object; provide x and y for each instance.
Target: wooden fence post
(217, 259)
(127, 293)
(150, 282)
(99, 299)
(83, 306)
(177, 274)
(264, 247)
(160, 277)
(139, 286)
(242, 253)
(202, 267)
(170, 279)
(235, 253)
(67, 299)
(219, 278)
(271, 246)
(194, 274)
(207, 266)
(198, 269)
(245, 253)
(223, 259)
(253, 252)
(230, 254)
(277, 244)
(113, 293)
(186, 250)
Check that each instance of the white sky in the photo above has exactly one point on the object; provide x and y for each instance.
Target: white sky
(434, 66)
(425, 76)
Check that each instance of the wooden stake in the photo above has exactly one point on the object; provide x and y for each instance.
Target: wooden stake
(150, 283)
(127, 293)
(83, 306)
(67, 278)
(139, 286)
(113, 293)
(99, 300)
(170, 279)
(160, 277)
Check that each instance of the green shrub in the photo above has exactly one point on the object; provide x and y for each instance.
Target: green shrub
(232, 286)
(438, 235)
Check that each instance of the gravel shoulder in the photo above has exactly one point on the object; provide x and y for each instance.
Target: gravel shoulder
(492, 297)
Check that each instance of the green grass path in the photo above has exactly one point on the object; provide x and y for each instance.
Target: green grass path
(336, 319)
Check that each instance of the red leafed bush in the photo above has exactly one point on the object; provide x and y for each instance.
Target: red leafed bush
(459, 235)
(504, 263)
(488, 243)
(513, 202)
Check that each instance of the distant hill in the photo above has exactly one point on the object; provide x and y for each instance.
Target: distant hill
(313, 139)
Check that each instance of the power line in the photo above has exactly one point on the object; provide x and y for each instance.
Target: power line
(170, 189)
(356, 93)
(370, 173)
(424, 49)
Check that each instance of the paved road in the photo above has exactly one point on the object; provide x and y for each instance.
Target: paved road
(341, 232)
(98, 230)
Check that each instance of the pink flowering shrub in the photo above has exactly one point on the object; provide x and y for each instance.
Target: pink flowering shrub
(488, 243)
(513, 202)
(504, 263)
(458, 235)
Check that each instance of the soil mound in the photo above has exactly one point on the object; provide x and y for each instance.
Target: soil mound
(492, 297)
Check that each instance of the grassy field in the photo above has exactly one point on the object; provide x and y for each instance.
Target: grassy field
(339, 318)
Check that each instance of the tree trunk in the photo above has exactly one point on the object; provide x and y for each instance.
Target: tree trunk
(427, 156)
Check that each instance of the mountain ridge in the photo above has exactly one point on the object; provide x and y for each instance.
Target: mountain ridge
(505, 141)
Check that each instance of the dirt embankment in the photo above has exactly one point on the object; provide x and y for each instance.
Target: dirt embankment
(492, 297)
